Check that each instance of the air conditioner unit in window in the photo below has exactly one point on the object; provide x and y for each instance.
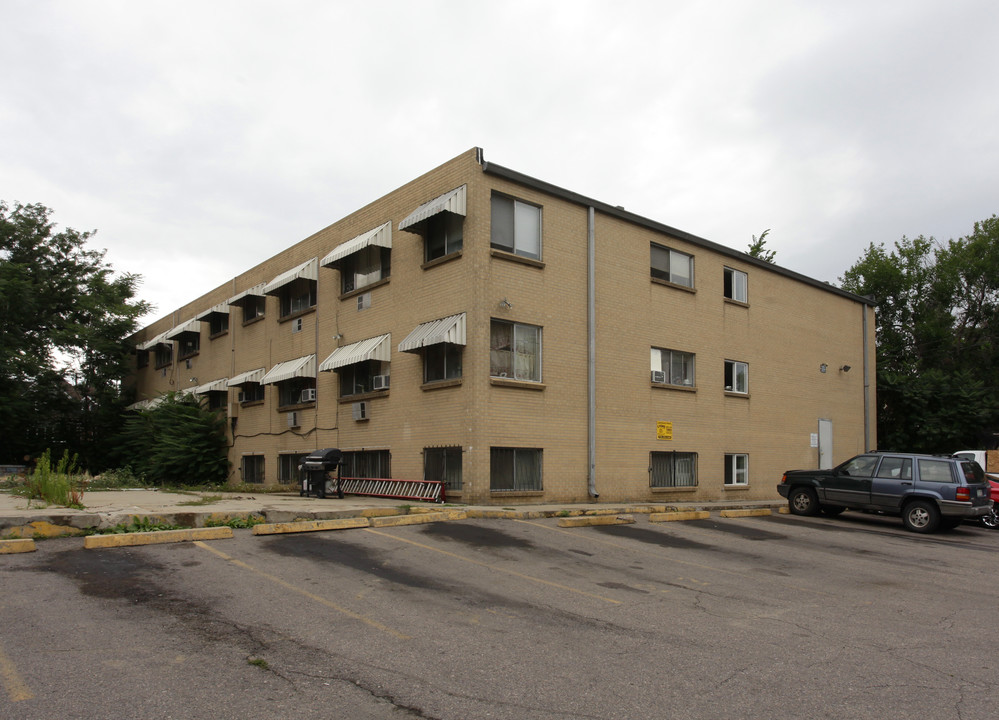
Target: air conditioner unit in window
(308, 395)
(241, 397)
(360, 410)
(658, 376)
(381, 382)
(293, 420)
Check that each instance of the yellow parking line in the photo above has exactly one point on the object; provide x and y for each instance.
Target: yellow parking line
(305, 593)
(17, 689)
(495, 568)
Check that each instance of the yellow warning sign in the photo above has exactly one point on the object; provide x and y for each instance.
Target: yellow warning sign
(664, 430)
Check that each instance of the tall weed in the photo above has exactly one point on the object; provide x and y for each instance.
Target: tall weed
(63, 485)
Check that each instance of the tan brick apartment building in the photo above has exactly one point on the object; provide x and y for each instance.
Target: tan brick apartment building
(525, 344)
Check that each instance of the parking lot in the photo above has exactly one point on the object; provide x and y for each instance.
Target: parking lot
(761, 617)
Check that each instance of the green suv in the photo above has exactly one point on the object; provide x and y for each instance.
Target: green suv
(928, 491)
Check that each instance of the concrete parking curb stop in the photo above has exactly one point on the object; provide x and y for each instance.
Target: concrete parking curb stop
(156, 537)
(418, 519)
(310, 526)
(590, 520)
(755, 512)
(17, 545)
(679, 515)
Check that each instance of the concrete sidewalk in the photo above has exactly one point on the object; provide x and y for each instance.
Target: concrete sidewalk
(20, 518)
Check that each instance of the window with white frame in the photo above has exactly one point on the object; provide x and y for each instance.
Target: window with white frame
(672, 469)
(736, 285)
(295, 391)
(297, 296)
(672, 367)
(254, 307)
(443, 464)
(515, 469)
(253, 469)
(516, 227)
(736, 469)
(672, 266)
(188, 345)
(515, 351)
(360, 377)
(218, 324)
(736, 377)
(250, 392)
(164, 355)
(365, 267)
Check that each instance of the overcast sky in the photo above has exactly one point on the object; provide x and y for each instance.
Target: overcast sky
(201, 138)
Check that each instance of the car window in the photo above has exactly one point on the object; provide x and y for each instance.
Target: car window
(860, 466)
(895, 468)
(973, 472)
(935, 471)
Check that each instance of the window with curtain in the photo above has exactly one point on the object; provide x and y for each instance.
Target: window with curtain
(515, 469)
(515, 351)
(672, 469)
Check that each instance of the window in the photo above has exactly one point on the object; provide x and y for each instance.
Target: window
(253, 469)
(290, 391)
(442, 362)
(218, 324)
(515, 351)
(367, 464)
(297, 297)
(514, 469)
(218, 400)
(364, 267)
(673, 367)
(736, 469)
(736, 377)
(895, 467)
(443, 464)
(516, 227)
(935, 471)
(288, 468)
(359, 378)
(443, 235)
(672, 469)
(672, 266)
(188, 345)
(736, 285)
(164, 354)
(254, 307)
(251, 392)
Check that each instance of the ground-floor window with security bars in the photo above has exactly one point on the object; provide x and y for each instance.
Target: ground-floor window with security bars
(253, 468)
(443, 464)
(288, 468)
(515, 469)
(367, 464)
(672, 469)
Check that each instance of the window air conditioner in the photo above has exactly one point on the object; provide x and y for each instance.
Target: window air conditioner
(241, 397)
(658, 376)
(293, 421)
(308, 395)
(360, 410)
(381, 382)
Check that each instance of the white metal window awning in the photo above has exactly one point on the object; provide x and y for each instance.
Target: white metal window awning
(253, 376)
(255, 291)
(376, 348)
(221, 309)
(160, 339)
(452, 201)
(380, 236)
(446, 330)
(191, 326)
(221, 385)
(308, 270)
(302, 367)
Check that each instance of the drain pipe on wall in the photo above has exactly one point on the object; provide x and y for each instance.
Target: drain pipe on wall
(591, 354)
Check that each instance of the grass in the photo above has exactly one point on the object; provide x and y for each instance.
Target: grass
(62, 485)
(138, 524)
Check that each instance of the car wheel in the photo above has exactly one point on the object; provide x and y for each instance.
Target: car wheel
(803, 501)
(832, 510)
(991, 521)
(921, 516)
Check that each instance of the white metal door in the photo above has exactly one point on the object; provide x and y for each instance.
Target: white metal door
(825, 444)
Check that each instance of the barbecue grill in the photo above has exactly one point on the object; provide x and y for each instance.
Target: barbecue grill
(316, 468)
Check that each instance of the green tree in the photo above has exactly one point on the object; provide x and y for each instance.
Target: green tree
(758, 249)
(176, 441)
(936, 339)
(64, 316)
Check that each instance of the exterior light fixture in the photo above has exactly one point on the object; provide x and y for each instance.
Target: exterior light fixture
(504, 303)
(845, 368)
